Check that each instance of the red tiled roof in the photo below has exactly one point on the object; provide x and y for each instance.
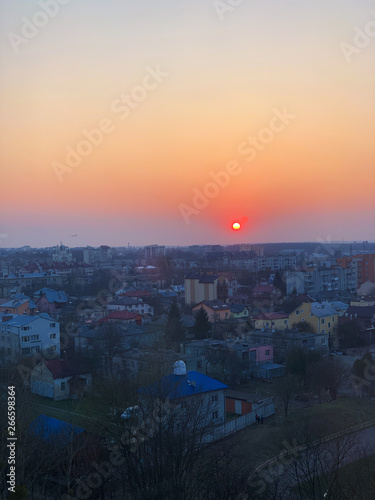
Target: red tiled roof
(272, 316)
(61, 368)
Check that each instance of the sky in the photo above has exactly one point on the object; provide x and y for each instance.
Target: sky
(165, 122)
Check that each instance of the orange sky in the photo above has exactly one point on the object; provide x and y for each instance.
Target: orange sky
(221, 83)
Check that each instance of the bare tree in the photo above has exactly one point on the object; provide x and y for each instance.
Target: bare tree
(286, 387)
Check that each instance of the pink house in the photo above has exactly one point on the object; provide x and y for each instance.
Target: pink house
(261, 354)
(50, 301)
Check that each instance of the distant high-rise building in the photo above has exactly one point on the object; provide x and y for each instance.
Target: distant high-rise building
(153, 251)
(62, 253)
(259, 251)
(364, 263)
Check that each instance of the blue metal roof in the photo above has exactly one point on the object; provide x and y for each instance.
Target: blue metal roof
(24, 319)
(181, 386)
(52, 295)
(54, 430)
(271, 366)
(21, 319)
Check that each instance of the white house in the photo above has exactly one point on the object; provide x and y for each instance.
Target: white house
(23, 335)
(60, 379)
(130, 304)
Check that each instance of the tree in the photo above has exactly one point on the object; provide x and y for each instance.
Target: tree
(304, 326)
(279, 282)
(286, 387)
(202, 326)
(335, 372)
(175, 332)
(316, 377)
(112, 344)
(363, 375)
(163, 449)
(350, 334)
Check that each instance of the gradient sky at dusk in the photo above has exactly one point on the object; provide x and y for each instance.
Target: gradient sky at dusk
(314, 181)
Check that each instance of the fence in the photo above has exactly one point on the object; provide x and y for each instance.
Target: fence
(239, 423)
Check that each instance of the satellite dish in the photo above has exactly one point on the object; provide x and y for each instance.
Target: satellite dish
(179, 368)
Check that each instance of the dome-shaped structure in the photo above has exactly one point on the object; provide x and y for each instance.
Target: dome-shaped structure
(179, 368)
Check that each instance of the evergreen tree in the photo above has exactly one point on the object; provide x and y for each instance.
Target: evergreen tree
(175, 332)
(279, 282)
(202, 325)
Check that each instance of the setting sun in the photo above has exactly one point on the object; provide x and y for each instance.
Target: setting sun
(236, 226)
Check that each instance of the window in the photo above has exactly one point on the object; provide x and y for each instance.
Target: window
(311, 315)
(323, 331)
(25, 339)
(267, 352)
(214, 415)
(34, 338)
(63, 386)
(285, 321)
(52, 336)
(35, 349)
(52, 325)
(297, 312)
(26, 350)
(24, 328)
(214, 398)
(323, 341)
(329, 324)
(322, 321)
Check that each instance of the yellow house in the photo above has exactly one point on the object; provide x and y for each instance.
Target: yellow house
(322, 317)
(216, 311)
(271, 321)
(200, 286)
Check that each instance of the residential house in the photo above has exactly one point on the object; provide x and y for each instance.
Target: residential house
(205, 286)
(130, 304)
(216, 311)
(23, 335)
(322, 317)
(73, 452)
(271, 321)
(50, 301)
(184, 390)
(123, 317)
(60, 379)
(284, 340)
(239, 311)
(230, 358)
(18, 306)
